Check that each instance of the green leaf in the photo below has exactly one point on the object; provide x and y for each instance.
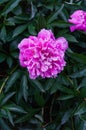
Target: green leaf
(66, 117)
(41, 22)
(83, 117)
(9, 62)
(61, 32)
(17, 109)
(65, 80)
(81, 44)
(21, 18)
(33, 11)
(70, 38)
(54, 16)
(3, 125)
(3, 1)
(60, 24)
(82, 83)
(3, 34)
(6, 98)
(19, 30)
(10, 22)
(38, 85)
(17, 10)
(11, 80)
(81, 109)
(39, 117)
(10, 6)
(65, 97)
(24, 86)
(28, 116)
(81, 125)
(83, 92)
(1, 97)
(39, 99)
(14, 108)
(58, 86)
(49, 83)
(2, 57)
(10, 117)
(80, 73)
(65, 89)
(14, 54)
(32, 29)
(78, 57)
(64, 15)
(2, 115)
(24, 118)
(54, 87)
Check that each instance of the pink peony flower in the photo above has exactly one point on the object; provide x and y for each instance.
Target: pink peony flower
(43, 55)
(78, 18)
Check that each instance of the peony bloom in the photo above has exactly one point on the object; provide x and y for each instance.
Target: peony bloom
(78, 18)
(43, 55)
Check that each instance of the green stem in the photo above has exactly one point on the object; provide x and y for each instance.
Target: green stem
(72, 123)
(3, 84)
(51, 108)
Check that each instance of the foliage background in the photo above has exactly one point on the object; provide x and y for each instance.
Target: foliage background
(41, 104)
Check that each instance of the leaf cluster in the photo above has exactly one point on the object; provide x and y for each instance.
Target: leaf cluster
(41, 104)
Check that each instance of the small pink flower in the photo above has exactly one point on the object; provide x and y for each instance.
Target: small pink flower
(78, 18)
(43, 55)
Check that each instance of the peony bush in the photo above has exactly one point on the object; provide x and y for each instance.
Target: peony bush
(42, 65)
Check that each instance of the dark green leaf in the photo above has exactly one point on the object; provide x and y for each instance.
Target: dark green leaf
(78, 57)
(80, 73)
(54, 16)
(2, 57)
(39, 99)
(3, 34)
(49, 83)
(3, 125)
(17, 10)
(19, 30)
(66, 117)
(11, 80)
(31, 29)
(27, 117)
(24, 86)
(7, 97)
(3, 1)
(81, 109)
(65, 97)
(14, 108)
(70, 38)
(33, 11)
(83, 117)
(9, 61)
(10, 6)
(14, 54)
(83, 92)
(82, 83)
(10, 117)
(38, 85)
(59, 86)
(60, 24)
